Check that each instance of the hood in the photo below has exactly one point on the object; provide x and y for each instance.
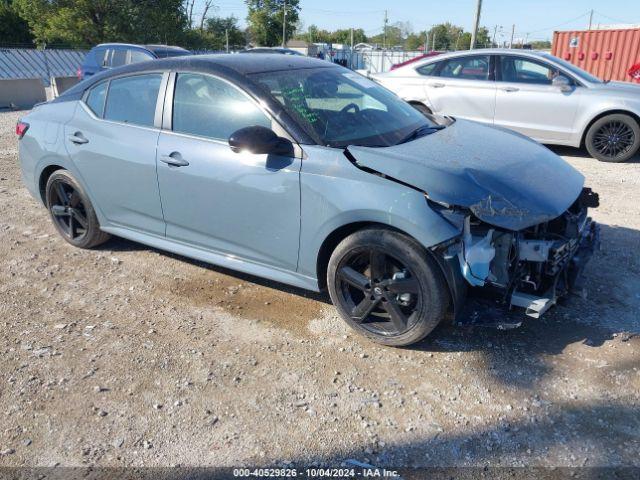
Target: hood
(619, 88)
(504, 178)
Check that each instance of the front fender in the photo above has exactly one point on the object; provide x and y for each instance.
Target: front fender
(335, 193)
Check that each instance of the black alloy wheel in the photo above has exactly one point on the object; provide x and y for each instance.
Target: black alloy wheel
(379, 291)
(71, 211)
(385, 286)
(614, 138)
(68, 211)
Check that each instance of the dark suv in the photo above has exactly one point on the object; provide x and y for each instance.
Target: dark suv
(111, 55)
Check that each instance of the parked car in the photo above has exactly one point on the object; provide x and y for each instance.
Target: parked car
(534, 93)
(110, 55)
(430, 54)
(280, 50)
(303, 172)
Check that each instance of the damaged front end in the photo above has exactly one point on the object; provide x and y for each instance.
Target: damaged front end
(529, 268)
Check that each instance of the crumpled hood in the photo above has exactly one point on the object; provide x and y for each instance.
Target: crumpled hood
(504, 178)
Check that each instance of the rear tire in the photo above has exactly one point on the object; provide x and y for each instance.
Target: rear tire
(71, 211)
(613, 138)
(387, 287)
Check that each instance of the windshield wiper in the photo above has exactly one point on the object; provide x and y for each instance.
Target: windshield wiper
(421, 131)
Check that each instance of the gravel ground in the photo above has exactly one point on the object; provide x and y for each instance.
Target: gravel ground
(128, 356)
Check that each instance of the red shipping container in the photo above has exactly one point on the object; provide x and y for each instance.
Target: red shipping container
(607, 54)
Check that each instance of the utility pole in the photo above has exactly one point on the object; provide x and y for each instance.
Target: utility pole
(284, 24)
(433, 46)
(590, 19)
(351, 51)
(513, 32)
(426, 42)
(495, 31)
(384, 34)
(226, 35)
(476, 24)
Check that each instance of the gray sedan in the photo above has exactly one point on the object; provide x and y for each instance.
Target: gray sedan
(303, 172)
(534, 93)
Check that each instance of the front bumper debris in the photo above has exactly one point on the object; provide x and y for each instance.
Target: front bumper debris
(530, 268)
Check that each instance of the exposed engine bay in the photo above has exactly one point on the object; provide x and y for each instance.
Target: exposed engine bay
(533, 267)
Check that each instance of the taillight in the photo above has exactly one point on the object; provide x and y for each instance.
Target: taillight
(21, 129)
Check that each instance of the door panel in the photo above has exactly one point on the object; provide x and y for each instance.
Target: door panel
(241, 204)
(528, 103)
(117, 161)
(236, 203)
(118, 167)
(463, 88)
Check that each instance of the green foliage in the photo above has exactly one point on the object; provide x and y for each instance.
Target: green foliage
(314, 34)
(540, 45)
(13, 28)
(88, 22)
(215, 29)
(265, 19)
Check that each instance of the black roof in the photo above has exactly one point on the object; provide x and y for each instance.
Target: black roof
(246, 64)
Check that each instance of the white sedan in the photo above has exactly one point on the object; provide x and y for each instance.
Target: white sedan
(534, 93)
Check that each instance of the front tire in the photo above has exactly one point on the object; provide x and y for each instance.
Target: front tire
(71, 211)
(387, 287)
(613, 138)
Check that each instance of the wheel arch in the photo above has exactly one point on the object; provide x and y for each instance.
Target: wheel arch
(615, 111)
(456, 286)
(44, 177)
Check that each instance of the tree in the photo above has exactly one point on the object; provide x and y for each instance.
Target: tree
(217, 27)
(265, 19)
(87, 22)
(541, 45)
(13, 28)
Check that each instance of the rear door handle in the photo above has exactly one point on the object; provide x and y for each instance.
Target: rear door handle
(174, 159)
(77, 138)
(436, 85)
(510, 89)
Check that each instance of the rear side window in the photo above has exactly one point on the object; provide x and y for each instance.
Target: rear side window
(133, 99)
(210, 107)
(100, 56)
(468, 68)
(118, 58)
(428, 69)
(95, 99)
(136, 56)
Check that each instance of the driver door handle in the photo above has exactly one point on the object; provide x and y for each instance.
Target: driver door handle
(174, 159)
(510, 89)
(436, 85)
(77, 138)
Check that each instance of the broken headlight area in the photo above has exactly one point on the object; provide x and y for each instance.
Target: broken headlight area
(533, 267)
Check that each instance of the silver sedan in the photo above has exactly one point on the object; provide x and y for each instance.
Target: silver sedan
(534, 93)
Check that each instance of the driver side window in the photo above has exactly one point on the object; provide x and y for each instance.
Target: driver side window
(522, 70)
(210, 107)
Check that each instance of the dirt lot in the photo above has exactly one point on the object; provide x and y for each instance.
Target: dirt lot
(127, 356)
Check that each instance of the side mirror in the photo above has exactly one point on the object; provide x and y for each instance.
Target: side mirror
(563, 83)
(259, 140)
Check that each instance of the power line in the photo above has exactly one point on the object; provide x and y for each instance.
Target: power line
(561, 24)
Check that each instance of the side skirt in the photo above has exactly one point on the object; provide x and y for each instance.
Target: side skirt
(220, 259)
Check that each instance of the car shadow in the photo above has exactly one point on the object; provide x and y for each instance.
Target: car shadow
(118, 244)
(517, 357)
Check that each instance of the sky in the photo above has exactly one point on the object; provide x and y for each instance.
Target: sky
(535, 20)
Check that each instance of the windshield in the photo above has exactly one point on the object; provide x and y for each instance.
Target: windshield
(338, 107)
(575, 70)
